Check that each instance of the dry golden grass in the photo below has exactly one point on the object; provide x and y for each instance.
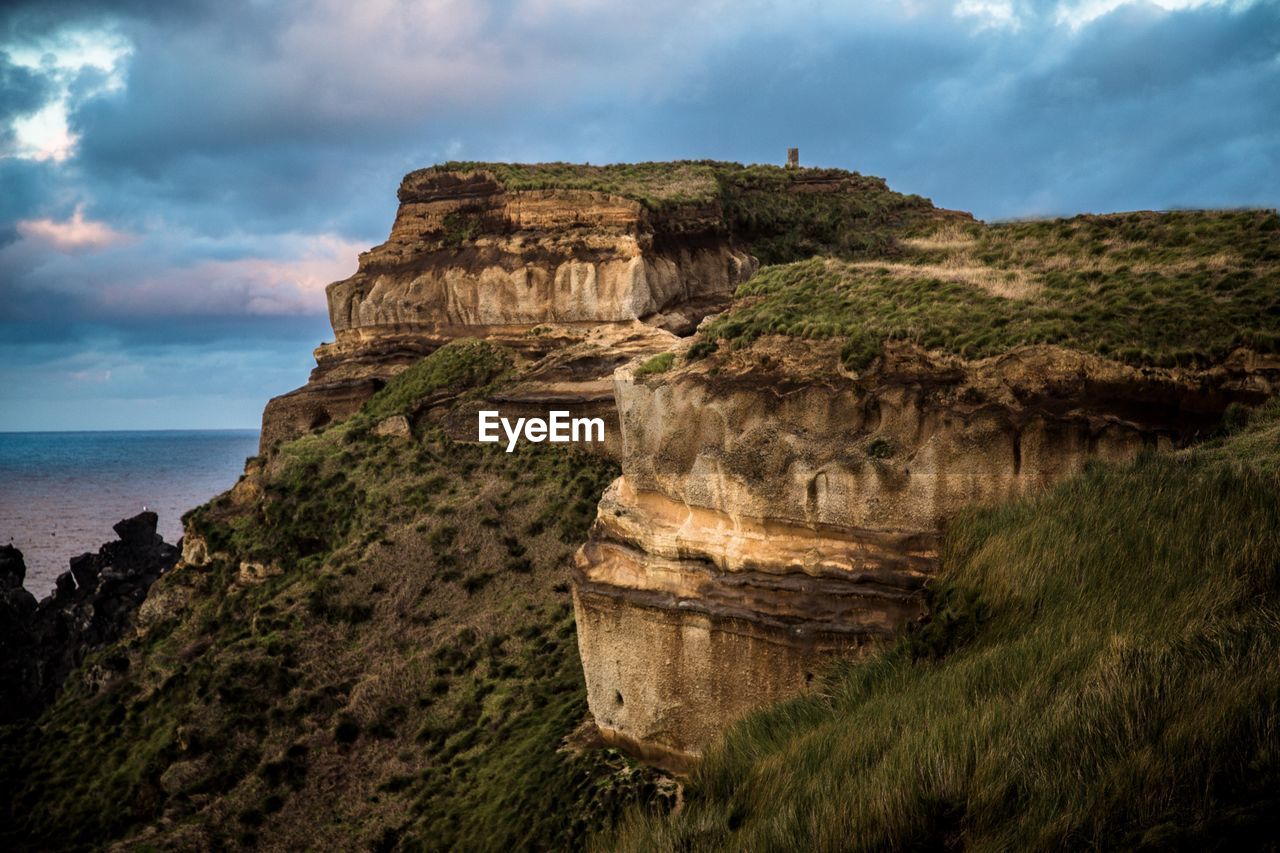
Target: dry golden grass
(1174, 289)
(954, 253)
(1009, 283)
(951, 237)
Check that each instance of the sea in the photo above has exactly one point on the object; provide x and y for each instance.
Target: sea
(60, 492)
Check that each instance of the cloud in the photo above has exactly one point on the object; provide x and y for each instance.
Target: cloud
(180, 180)
(989, 13)
(166, 275)
(22, 90)
(72, 235)
(1079, 13)
(71, 66)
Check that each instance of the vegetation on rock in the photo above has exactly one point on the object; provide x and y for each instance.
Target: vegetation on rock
(1102, 669)
(658, 364)
(403, 671)
(1173, 289)
(782, 214)
(465, 364)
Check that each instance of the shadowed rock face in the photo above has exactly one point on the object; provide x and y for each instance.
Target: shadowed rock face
(774, 509)
(93, 605)
(531, 269)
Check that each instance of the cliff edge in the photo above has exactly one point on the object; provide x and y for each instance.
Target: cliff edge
(787, 478)
(542, 257)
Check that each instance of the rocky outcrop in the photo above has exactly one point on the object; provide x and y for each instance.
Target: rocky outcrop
(93, 604)
(467, 252)
(18, 669)
(533, 269)
(775, 509)
(576, 377)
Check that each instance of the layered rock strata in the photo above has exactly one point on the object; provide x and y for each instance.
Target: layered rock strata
(775, 510)
(532, 269)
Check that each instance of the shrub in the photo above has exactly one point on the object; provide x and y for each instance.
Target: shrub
(346, 731)
(700, 349)
(457, 365)
(657, 364)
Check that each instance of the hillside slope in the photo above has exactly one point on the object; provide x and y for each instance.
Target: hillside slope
(1102, 669)
(368, 644)
(387, 636)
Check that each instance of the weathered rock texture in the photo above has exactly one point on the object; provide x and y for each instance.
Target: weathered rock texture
(92, 606)
(529, 268)
(775, 509)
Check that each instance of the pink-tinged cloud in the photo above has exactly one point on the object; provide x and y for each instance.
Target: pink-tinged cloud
(76, 234)
(290, 286)
(290, 283)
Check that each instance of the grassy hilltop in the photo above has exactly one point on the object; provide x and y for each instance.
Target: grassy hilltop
(782, 214)
(1164, 289)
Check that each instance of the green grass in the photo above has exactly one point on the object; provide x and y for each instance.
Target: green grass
(764, 207)
(1102, 670)
(655, 184)
(658, 364)
(407, 678)
(461, 364)
(1179, 289)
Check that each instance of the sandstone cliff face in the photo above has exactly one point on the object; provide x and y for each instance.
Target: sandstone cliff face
(464, 251)
(775, 509)
(533, 269)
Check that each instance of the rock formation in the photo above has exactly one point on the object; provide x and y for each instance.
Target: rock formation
(92, 605)
(537, 269)
(775, 509)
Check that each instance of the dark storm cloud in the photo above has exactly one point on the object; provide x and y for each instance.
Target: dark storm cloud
(22, 90)
(243, 153)
(25, 19)
(1140, 108)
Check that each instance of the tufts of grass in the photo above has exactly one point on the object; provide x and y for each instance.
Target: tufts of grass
(1102, 670)
(658, 364)
(467, 363)
(1177, 289)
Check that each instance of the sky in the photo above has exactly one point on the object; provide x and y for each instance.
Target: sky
(179, 180)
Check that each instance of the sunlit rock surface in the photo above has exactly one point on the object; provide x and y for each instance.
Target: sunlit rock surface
(775, 509)
(533, 269)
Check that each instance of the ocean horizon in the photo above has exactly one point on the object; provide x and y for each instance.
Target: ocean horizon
(61, 491)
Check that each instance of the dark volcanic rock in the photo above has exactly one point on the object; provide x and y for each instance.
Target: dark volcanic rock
(13, 569)
(17, 606)
(85, 570)
(92, 605)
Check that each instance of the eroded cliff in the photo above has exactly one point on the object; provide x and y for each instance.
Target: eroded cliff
(538, 269)
(586, 262)
(370, 636)
(782, 497)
